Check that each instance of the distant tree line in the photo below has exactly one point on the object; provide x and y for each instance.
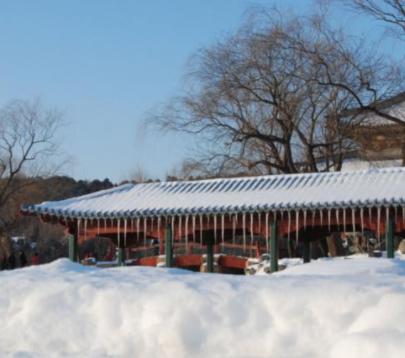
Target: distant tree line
(47, 189)
(46, 239)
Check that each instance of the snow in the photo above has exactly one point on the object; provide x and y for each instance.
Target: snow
(344, 307)
(350, 165)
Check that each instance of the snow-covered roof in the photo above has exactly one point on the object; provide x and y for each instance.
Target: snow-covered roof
(394, 106)
(353, 164)
(375, 187)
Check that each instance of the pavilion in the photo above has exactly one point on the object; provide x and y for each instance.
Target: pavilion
(235, 217)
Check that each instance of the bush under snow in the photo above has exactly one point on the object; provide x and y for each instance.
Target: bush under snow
(350, 307)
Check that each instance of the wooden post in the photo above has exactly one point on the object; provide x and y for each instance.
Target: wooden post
(210, 255)
(389, 237)
(306, 255)
(169, 245)
(121, 256)
(72, 239)
(273, 247)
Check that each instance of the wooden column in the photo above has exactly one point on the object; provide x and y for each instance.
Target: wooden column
(120, 249)
(169, 245)
(273, 247)
(210, 255)
(72, 240)
(389, 237)
(306, 254)
(121, 256)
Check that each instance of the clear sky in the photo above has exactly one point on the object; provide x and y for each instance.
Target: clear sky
(106, 63)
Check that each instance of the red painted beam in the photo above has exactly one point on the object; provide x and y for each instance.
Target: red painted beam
(188, 260)
(147, 261)
(232, 262)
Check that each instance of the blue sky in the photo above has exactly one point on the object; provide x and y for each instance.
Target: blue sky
(105, 64)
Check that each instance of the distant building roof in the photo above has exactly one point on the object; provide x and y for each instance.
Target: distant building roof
(394, 106)
(376, 187)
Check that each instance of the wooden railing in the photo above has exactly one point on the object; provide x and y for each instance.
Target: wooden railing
(195, 248)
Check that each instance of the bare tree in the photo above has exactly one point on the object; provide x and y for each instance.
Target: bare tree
(138, 174)
(390, 12)
(368, 80)
(270, 98)
(27, 146)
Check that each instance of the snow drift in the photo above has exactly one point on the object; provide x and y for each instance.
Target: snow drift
(330, 308)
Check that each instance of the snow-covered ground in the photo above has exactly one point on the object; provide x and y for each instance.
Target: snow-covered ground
(353, 307)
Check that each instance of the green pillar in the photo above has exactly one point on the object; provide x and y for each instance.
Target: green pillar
(121, 256)
(273, 247)
(72, 240)
(389, 237)
(169, 245)
(210, 256)
(306, 255)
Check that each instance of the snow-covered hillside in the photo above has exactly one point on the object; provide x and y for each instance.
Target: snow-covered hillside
(350, 307)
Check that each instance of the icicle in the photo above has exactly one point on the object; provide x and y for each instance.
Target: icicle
(223, 229)
(305, 218)
(337, 218)
(329, 214)
(251, 229)
(125, 232)
(267, 231)
(78, 228)
(105, 225)
(321, 216)
(180, 222)
(144, 231)
(193, 226)
(186, 234)
(297, 219)
(98, 227)
(403, 214)
(208, 222)
(354, 222)
(158, 227)
(362, 222)
(289, 225)
(244, 232)
(234, 219)
(370, 216)
(259, 221)
(344, 219)
(387, 215)
(137, 227)
(215, 229)
(132, 224)
(118, 233)
(172, 224)
(85, 229)
(313, 213)
(378, 222)
(201, 233)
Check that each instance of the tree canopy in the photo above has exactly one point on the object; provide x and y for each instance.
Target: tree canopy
(274, 97)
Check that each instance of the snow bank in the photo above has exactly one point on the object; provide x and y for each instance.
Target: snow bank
(328, 308)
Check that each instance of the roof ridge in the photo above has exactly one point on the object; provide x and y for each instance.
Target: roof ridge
(266, 176)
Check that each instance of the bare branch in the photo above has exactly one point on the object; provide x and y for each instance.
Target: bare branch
(27, 134)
